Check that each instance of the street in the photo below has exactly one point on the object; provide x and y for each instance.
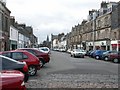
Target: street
(64, 71)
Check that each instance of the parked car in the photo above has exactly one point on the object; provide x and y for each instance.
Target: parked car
(98, 54)
(43, 57)
(88, 52)
(69, 51)
(114, 57)
(91, 53)
(82, 51)
(12, 80)
(11, 64)
(62, 50)
(105, 55)
(77, 53)
(45, 49)
(23, 56)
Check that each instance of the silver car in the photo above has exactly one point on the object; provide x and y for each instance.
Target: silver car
(77, 53)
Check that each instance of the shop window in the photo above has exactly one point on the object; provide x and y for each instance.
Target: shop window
(114, 46)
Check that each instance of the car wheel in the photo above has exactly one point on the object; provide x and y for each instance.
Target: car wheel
(115, 60)
(97, 57)
(74, 55)
(106, 58)
(42, 62)
(32, 70)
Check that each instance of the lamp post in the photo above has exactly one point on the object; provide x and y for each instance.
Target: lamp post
(93, 34)
(94, 27)
(80, 40)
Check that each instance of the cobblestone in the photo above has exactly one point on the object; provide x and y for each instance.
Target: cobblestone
(74, 81)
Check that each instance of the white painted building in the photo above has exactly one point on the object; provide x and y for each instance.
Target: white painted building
(20, 40)
(13, 37)
(63, 44)
(55, 44)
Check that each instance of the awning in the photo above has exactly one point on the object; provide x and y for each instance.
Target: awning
(115, 45)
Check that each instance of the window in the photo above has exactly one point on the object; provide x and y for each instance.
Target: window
(0, 21)
(11, 32)
(25, 56)
(7, 54)
(99, 23)
(31, 51)
(6, 64)
(106, 21)
(17, 55)
(6, 24)
(98, 34)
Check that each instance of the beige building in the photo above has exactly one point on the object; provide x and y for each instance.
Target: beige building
(100, 31)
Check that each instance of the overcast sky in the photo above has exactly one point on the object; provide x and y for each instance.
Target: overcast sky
(51, 16)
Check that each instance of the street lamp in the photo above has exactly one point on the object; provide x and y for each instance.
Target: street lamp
(94, 26)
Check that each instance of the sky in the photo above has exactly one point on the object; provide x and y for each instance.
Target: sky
(51, 16)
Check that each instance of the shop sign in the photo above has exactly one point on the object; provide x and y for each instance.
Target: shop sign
(97, 43)
(114, 42)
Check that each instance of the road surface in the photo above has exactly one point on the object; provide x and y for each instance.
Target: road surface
(64, 71)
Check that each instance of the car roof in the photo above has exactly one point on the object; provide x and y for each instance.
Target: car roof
(24, 49)
(27, 48)
(15, 51)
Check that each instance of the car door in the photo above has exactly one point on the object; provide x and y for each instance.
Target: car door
(19, 56)
(8, 64)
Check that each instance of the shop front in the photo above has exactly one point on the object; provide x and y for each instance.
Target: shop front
(4, 41)
(13, 45)
(104, 45)
(115, 45)
(89, 45)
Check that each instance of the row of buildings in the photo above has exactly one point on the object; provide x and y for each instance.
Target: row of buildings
(12, 34)
(100, 31)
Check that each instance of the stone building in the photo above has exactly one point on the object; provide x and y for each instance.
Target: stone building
(100, 31)
(4, 26)
(115, 32)
(26, 37)
(54, 42)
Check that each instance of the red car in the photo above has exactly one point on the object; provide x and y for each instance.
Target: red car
(12, 80)
(44, 57)
(11, 64)
(23, 56)
(115, 57)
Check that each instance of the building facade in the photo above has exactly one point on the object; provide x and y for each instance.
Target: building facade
(4, 26)
(100, 31)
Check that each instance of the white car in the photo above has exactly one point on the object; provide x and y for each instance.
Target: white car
(44, 49)
(83, 51)
(69, 51)
(77, 53)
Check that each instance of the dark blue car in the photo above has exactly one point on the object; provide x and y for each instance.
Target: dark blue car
(98, 54)
(91, 53)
